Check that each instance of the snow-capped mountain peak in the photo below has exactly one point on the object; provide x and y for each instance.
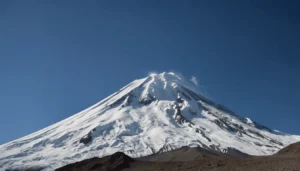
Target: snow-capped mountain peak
(151, 115)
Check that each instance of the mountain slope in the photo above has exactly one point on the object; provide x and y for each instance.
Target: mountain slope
(152, 115)
(291, 150)
(191, 159)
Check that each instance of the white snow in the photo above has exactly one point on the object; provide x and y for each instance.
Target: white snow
(249, 121)
(160, 112)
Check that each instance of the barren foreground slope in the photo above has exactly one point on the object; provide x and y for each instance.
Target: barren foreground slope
(199, 160)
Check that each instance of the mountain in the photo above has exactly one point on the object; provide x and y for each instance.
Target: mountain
(159, 113)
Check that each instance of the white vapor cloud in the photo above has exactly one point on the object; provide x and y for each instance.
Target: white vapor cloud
(194, 80)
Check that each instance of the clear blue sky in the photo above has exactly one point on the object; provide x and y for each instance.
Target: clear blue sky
(59, 57)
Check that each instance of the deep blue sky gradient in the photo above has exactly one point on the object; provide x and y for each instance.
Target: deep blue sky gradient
(59, 57)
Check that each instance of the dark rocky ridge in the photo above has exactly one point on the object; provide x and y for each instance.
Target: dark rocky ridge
(114, 162)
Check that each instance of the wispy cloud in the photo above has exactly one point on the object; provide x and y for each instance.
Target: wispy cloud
(194, 80)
